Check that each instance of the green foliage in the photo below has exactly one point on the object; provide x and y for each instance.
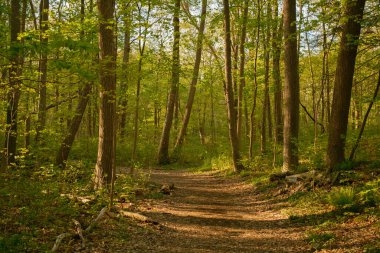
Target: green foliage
(319, 241)
(343, 198)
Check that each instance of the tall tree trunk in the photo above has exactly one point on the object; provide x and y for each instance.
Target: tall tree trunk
(352, 154)
(229, 94)
(107, 109)
(190, 99)
(64, 150)
(142, 43)
(353, 14)
(313, 90)
(276, 73)
(266, 101)
(124, 82)
(44, 26)
(13, 95)
(291, 88)
(253, 110)
(243, 36)
(163, 150)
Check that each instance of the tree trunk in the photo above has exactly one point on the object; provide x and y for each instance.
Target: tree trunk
(352, 154)
(124, 82)
(13, 95)
(64, 150)
(107, 109)
(142, 43)
(253, 110)
(266, 101)
(197, 63)
(229, 95)
(243, 36)
(44, 26)
(163, 150)
(353, 12)
(291, 88)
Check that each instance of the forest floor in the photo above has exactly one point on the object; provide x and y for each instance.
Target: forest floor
(210, 213)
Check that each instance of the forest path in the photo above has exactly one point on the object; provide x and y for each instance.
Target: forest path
(207, 213)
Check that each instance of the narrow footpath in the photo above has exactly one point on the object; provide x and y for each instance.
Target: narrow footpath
(206, 213)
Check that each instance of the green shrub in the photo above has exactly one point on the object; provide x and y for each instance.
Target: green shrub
(369, 194)
(342, 198)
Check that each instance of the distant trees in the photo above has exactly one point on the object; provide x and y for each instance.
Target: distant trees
(52, 65)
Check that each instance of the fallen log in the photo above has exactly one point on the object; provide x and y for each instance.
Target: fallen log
(138, 217)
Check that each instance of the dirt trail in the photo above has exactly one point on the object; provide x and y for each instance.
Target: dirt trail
(212, 214)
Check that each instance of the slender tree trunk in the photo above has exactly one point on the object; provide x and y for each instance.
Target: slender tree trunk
(107, 112)
(65, 148)
(243, 36)
(13, 95)
(352, 154)
(142, 43)
(313, 91)
(266, 101)
(124, 82)
(44, 26)
(276, 73)
(163, 150)
(229, 94)
(291, 88)
(190, 100)
(353, 14)
(253, 110)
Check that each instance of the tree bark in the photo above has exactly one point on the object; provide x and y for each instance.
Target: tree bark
(353, 14)
(107, 109)
(163, 150)
(191, 96)
(229, 94)
(291, 88)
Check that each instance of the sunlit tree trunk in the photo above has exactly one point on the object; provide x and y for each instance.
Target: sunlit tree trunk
(353, 14)
(291, 88)
(229, 94)
(107, 108)
(243, 36)
(191, 96)
(163, 150)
